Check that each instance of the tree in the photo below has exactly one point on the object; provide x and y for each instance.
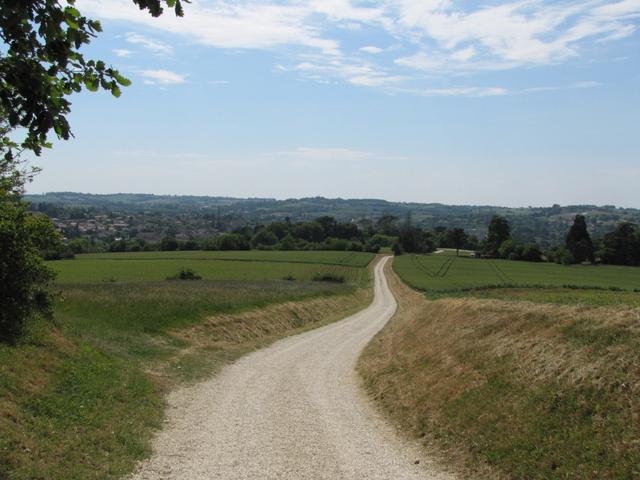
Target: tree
(578, 241)
(287, 243)
(168, 244)
(24, 279)
(456, 238)
(531, 253)
(622, 246)
(499, 232)
(387, 224)
(264, 238)
(415, 240)
(310, 231)
(507, 250)
(41, 65)
(232, 241)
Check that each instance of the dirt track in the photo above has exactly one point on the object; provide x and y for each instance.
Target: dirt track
(294, 410)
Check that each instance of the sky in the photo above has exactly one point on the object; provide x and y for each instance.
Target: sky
(513, 103)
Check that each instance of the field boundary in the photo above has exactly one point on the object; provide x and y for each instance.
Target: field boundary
(199, 259)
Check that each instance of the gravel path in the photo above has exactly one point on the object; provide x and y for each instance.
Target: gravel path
(294, 410)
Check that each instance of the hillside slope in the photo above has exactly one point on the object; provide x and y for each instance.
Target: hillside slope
(546, 225)
(513, 389)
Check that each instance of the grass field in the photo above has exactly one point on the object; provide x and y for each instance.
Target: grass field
(513, 390)
(353, 259)
(80, 398)
(245, 266)
(445, 272)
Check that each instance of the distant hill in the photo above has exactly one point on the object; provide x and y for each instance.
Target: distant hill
(547, 225)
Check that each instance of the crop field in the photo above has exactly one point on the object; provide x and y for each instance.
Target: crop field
(227, 266)
(447, 273)
(352, 259)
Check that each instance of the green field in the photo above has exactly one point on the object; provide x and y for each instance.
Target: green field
(353, 259)
(447, 273)
(81, 396)
(244, 266)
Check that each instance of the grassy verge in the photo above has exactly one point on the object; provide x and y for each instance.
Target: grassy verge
(560, 296)
(513, 389)
(81, 398)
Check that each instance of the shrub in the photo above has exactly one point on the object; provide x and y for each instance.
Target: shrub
(24, 280)
(532, 253)
(566, 258)
(185, 274)
(514, 256)
(329, 277)
(355, 247)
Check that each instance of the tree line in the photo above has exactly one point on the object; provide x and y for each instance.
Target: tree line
(618, 247)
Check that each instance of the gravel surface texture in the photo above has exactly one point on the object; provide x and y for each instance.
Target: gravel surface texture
(294, 410)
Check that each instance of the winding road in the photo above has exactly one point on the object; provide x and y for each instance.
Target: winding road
(294, 410)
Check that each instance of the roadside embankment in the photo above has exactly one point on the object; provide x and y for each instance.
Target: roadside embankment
(512, 389)
(82, 398)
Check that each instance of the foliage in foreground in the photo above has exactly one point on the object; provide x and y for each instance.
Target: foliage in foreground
(24, 279)
(41, 65)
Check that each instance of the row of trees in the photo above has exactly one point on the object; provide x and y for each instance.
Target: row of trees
(324, 233)
(618, 247)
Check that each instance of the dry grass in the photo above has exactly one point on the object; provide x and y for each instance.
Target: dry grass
(513, 389)
(205, 347)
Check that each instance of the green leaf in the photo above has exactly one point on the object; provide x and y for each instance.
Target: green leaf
(92, 84)
(73, 12)
(125, 82)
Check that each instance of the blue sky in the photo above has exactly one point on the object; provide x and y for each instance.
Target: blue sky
(513, 103)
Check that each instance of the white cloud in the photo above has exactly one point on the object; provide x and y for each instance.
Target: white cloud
(464, 55)
(518, 32)
(441, 37)
(122, 52)
(625, 8)
(238, 25)
(458, 92)
(372, 50)
(155, 46)
(420, 61)
(162, 77)
(310, 156)
(354, 72)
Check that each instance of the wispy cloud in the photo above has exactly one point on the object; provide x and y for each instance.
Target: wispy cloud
(122, 52)
(371, 49)
(455, 91)
(434, 37)
(154, 46)
(355, 72)
(577, 85)
(313, 155)
(162, 77)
